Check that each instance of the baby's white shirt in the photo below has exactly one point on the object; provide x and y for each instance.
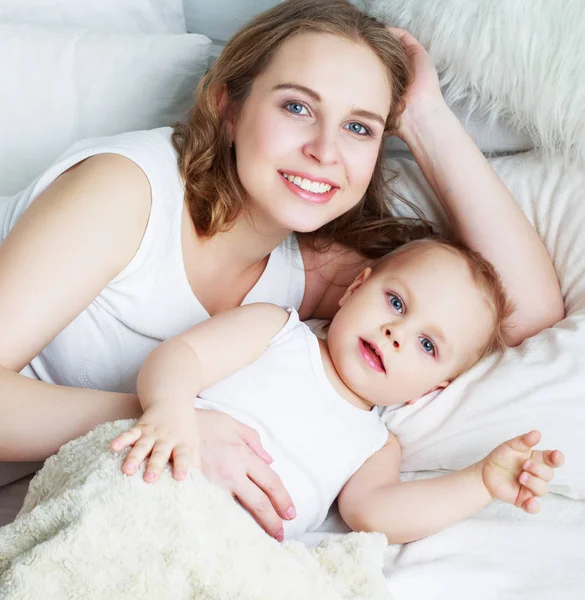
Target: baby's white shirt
(317, 438)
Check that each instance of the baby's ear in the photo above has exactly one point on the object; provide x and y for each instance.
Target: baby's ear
(437, 388)
(356, 284)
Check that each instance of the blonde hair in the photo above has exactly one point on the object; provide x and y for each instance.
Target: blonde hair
(207, 162)
(487, 280)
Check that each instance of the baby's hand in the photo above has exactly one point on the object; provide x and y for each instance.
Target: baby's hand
(516, 474)
(164, 434)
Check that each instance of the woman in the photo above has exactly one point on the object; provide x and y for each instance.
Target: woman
(123, 242)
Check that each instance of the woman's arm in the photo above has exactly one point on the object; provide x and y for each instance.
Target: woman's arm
(73, 239)
(481, 210)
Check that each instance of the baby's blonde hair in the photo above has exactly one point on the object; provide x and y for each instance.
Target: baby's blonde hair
(487, 279)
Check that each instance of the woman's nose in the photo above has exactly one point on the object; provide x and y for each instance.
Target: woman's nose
(322, 147)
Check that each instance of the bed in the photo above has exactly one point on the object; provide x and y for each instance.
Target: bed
(531, 125)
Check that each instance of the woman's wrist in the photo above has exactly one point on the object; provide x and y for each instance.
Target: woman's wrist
(419, 122)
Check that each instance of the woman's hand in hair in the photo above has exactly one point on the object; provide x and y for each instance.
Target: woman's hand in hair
(424, 93)
(232, 457)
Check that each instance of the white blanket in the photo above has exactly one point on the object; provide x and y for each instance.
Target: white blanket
(88, 531)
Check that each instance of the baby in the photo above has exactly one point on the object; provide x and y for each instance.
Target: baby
(407, 325)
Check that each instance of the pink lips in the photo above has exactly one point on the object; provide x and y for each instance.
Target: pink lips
(369, 355)
(308, 196)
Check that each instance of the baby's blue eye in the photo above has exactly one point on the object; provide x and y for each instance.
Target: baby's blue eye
(295, 108)
(427, 345)
(396, 303)
(358, 128)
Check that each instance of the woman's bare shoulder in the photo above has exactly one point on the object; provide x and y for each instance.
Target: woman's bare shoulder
(70, 242)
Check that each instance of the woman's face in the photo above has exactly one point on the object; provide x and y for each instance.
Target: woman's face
(314, 119)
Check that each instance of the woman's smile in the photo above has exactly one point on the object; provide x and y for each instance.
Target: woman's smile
(312, 190)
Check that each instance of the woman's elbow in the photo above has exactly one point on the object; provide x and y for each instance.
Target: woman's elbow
(541, 317)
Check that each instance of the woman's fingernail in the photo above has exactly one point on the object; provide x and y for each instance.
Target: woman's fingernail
(291, 513)
(527, 464)
(280, 536)
(524, 477)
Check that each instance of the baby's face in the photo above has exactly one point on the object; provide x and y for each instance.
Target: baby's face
(409, 327)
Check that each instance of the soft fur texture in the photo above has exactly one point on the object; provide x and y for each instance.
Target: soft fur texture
(88, 531)
(521, 59)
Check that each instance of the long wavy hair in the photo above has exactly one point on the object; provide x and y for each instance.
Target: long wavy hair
(207, 162)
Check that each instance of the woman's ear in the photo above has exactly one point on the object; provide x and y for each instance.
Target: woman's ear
(356, 284)
(223, 108)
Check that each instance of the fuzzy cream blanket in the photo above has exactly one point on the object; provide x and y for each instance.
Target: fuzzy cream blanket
(87, 531)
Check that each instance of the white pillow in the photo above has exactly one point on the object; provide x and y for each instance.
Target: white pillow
(61, 85)
(521, 59)
(538, 385)
(129, 16)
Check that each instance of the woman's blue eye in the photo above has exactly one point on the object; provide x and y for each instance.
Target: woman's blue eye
(295, 108)
(396, 303)
(358, 128)
(428, 346)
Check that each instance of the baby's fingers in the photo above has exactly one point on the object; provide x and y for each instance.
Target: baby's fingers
(184, 457)
(531, 506)
(128, 438)
(523, 443)
(536, 485)
(554, 458)
(159, 458)
(538, 469)
(136, 456)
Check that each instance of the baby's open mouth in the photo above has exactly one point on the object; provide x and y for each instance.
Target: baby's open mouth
(374, 354)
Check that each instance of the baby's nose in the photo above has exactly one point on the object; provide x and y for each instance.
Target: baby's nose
(395, 342)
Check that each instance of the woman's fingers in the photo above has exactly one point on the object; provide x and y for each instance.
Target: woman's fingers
(272, 487)
(404, 36)
(252, 440)
(257, 503)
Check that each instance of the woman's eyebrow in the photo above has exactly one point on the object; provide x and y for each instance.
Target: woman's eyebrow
(358, 112)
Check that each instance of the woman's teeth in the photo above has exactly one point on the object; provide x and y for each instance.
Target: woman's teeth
(308, 185)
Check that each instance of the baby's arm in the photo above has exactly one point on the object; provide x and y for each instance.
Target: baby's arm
(177, 370)
(374, 499)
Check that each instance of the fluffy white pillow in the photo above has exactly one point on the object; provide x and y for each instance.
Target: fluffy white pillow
(61, 85)
(523, 60)
(540, 384)
(129, 16)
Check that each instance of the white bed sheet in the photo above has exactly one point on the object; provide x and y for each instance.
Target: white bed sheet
(499, 554)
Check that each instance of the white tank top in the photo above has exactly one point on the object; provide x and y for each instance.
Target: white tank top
(151, 299)
(317, 438)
